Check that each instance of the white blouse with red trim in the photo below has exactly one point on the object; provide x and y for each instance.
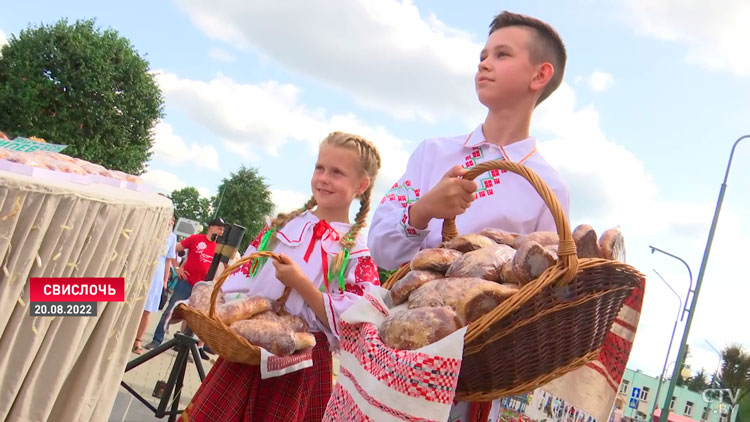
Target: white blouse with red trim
(298, 240)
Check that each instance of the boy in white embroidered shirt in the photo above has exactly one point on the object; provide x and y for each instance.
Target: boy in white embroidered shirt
(521, 64)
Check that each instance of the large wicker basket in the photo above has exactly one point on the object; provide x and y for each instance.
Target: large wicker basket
(217, 335)
(552, 326)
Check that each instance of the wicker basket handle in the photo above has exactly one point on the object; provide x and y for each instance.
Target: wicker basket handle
(230, 269)
(566, 249)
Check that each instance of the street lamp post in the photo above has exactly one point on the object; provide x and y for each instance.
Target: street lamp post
(718, 366)
(218, 205)
(701, 273)
(669, 348)
(690, 274)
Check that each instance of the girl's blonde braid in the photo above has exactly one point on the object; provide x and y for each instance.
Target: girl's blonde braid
(283, 218)
(371, 163)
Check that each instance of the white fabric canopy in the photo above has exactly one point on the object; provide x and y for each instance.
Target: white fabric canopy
(69, 368)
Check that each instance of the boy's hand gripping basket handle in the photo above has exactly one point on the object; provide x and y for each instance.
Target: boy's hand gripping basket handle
(231, 269)
(566, 251)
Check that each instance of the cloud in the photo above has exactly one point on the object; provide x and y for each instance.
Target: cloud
(610, 186)
(286, 200)
(221, 55)
(598, 81)
(3, 38)
(266, 116)
(171, 148)
(383, 52)
(163, 181)
(608, 183)
(716, 37)
(203, 192)
(166, 182)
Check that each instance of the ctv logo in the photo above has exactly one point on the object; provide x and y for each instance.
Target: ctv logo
(717, 394)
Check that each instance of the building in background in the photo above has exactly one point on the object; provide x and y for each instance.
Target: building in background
(635, 399)
(637, 394)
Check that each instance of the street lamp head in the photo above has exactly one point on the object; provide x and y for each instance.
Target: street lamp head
(652, 249)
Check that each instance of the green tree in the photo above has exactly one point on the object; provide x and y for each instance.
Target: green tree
(189, 204)
(244, 199)
(82, 87)
(743, 415)
(735, 374)
(698, 382)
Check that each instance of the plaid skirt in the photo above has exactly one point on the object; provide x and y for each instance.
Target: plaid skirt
(235, 392)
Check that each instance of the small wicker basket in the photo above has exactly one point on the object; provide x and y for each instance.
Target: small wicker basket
(217, 335)
(552, 325)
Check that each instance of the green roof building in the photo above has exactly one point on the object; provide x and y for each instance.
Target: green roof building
(637, 393)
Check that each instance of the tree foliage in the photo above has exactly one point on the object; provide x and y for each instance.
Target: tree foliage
(82, 87)
(189, 204)
(698, 382)
(244, 199)
(735, 374)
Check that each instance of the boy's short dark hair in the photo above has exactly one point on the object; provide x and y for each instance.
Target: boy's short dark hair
(547, 45)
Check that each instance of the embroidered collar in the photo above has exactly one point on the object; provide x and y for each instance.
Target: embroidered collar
(518, 151)
(299, 231)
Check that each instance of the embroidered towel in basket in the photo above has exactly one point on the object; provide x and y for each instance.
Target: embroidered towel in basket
(377, 383)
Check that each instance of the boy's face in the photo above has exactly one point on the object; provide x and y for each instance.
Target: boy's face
(505, 70)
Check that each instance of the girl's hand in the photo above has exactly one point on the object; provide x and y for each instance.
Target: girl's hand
(289, 273)
(182, 274)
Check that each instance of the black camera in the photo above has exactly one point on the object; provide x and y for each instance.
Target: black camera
(226, 246)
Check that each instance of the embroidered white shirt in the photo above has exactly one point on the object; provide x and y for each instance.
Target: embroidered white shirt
(294, 240)
(504, 200)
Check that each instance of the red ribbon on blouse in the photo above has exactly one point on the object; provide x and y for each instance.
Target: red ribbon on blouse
(319, 230)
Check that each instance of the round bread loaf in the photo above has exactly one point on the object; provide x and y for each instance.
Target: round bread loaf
(414, 328)
(245, 308)
(543, 238)
(273, 336)
(612, 243)
(587, 243)
(469, 242)
(412, 280)
(500, 236)
(434, 259)
(200, 297)
(483, 263)
(469, 297)
(531, 260)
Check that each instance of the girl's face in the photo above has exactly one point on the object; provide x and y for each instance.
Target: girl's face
(338, 178)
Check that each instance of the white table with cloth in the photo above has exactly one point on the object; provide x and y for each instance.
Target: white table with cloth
(69, 368)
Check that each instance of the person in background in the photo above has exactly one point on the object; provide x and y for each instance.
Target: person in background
(200, 252)
(165, 261)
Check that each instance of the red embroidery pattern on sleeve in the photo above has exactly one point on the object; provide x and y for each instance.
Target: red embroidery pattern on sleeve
(255, 243)
(244, 269)
(355, 288)
(366, 271)
(404, 193)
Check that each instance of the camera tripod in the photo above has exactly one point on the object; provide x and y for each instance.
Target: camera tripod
(185, 343)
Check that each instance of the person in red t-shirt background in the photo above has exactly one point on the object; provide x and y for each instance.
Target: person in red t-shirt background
(200, 252)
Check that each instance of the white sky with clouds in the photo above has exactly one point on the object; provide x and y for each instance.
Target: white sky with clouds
(653, 96)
